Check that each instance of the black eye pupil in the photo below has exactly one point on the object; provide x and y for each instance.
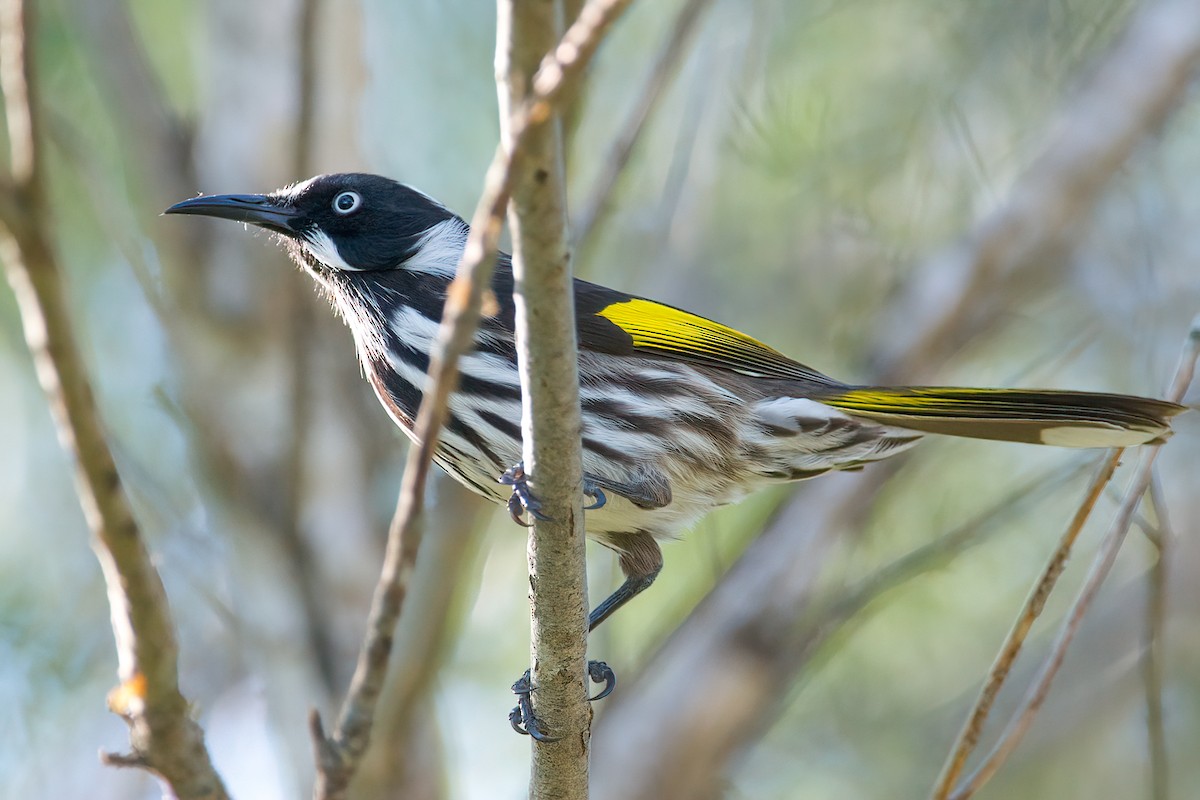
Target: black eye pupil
(347, 202)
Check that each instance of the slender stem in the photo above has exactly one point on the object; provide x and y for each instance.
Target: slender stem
(1153, 643)
(164, 737)
(1101, 565)
(550, 422)
(972, 730)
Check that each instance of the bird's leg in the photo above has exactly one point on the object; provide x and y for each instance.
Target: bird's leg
(641, 560)
(522, 499)
(601, 672)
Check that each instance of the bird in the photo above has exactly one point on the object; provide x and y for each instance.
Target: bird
(680, 413)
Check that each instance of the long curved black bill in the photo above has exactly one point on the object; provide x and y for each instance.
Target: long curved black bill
(256, 209)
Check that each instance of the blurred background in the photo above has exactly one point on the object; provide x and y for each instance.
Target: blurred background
(802, 164)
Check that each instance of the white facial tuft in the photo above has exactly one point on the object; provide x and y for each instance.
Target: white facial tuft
(439, 248)
(322, 248)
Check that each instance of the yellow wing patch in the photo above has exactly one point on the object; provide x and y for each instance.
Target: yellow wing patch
(659, 327)
(656, 328)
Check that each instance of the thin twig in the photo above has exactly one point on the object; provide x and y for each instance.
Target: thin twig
(339, 754)
(399, 763)
(1153, 643)
(968, 737)
(1101, 565)
(666, 67)
(163, 736)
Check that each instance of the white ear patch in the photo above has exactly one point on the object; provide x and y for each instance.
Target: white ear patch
(439, 248)
(324, 250)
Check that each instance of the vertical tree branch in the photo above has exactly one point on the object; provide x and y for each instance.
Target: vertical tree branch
(550, 419)
(164, 737)
(339, 754)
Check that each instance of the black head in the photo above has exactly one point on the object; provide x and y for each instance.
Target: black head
(347, 222)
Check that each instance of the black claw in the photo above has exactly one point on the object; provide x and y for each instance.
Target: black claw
(516, 509)
(600, 672)
(514, 719)
(522, 500)
(521, 717)
(595, 492)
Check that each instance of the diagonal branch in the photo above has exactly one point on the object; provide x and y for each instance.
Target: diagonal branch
(164, 737)
(339, 754)
(968, 737)
(1163, 538)
(1106, 556)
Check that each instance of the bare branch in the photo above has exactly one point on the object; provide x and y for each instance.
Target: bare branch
(1101, 565)
(1154, 642)
(398, 764)
(339, 754)
(968, 737)
(550, 422)
(164, 737)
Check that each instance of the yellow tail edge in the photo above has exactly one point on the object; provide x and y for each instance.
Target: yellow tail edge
(1035, 416)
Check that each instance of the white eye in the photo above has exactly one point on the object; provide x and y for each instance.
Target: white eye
(347, 203)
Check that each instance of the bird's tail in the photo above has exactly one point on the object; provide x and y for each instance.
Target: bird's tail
(1064, 419)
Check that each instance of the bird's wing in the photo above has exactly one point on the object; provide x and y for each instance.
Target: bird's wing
(621, 324)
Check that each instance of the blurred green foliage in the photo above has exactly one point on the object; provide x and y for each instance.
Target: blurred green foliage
(807, 158)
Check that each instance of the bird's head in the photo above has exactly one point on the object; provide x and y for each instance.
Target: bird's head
(348, 222)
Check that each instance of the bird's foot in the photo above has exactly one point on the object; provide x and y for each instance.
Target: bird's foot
(592, 489)
(601, 672)
(522, 718)
(522, 499)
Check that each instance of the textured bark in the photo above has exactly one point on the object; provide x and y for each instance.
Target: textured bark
(340, 753)
(164, 737)
(550, 419)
